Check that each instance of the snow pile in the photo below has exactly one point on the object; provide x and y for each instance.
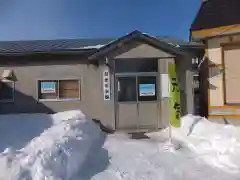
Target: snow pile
(208, 151)
(73, 148)
(217, 144)
(58, 152)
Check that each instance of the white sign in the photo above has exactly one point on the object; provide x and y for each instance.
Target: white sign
(147, 90)
(106, 85)
(48, 87)
(165, 85)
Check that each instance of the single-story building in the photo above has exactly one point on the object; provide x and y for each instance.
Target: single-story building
(217, 26)
(121, 82)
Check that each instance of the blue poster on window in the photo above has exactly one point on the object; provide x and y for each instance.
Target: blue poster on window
(147, 90)
(48, 87)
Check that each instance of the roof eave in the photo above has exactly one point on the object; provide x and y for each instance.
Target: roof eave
(83, 51)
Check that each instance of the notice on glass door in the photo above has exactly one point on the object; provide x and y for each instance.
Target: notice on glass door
(147, 90)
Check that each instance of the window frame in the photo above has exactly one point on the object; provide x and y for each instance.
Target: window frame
(62, 99)
(225, 47)
(116, 60)
(13, 92)
(126, 101)
(137, 76)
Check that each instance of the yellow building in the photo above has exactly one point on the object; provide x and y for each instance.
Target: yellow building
(217, 25)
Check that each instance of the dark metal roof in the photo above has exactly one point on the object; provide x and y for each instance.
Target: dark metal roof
(216, 13)
(177, 41)
(21, 47)
(49, 45)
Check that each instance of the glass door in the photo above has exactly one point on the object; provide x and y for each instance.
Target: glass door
(127, 114)
(137, 102)
(147, 102)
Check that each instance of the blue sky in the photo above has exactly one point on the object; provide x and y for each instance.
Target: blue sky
(57, 19)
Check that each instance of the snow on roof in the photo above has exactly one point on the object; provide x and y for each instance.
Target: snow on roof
(87, 47)
(92, 47)
(170, 43)
(175, 45)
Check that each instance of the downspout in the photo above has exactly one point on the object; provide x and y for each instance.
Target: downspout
(113, 88)
(106, 62)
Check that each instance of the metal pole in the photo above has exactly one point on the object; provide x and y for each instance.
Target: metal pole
(169, 127)
(170, 133)
(169, 122)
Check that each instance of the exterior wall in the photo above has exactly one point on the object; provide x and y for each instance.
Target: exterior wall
(184, 71)
(185, 77)
(139, 50)
(185, 74)
(143, 51)
(204, 87)
(215, 63)
(217, 106)
(231, 74)
(26, 90)
(28, 70)
(208, 33)
(164, 102)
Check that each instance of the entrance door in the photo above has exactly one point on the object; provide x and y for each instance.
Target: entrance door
(137, 102)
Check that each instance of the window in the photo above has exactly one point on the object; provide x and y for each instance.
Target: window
(136, 65)
(6, 91)
(139, 88)
(195, 81)
(59, 89)
(127, 89)
(231, 74)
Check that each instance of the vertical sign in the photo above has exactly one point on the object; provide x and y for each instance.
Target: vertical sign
(175, 107)
(106, 85)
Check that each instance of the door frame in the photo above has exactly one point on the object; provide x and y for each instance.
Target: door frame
(136, 75)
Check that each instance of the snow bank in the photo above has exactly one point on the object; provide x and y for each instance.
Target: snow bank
(58, 152)
(217, 144)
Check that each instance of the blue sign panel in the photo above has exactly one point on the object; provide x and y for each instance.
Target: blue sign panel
(147, 90)
(48, 87)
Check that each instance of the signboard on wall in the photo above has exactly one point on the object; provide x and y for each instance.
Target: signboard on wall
(165, 86)
(48, 87)
(106, 85)
(147, 90)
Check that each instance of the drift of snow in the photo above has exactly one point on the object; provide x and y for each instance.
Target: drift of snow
(56, 154)
(217, 144)
(207, 150)
(73, 148)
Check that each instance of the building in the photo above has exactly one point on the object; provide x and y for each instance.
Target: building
(217, 26)
(121, 82)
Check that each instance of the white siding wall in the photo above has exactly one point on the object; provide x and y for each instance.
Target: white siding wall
(215, 57)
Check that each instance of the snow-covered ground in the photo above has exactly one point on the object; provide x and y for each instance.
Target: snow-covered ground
(67, 146)
(207, 151)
